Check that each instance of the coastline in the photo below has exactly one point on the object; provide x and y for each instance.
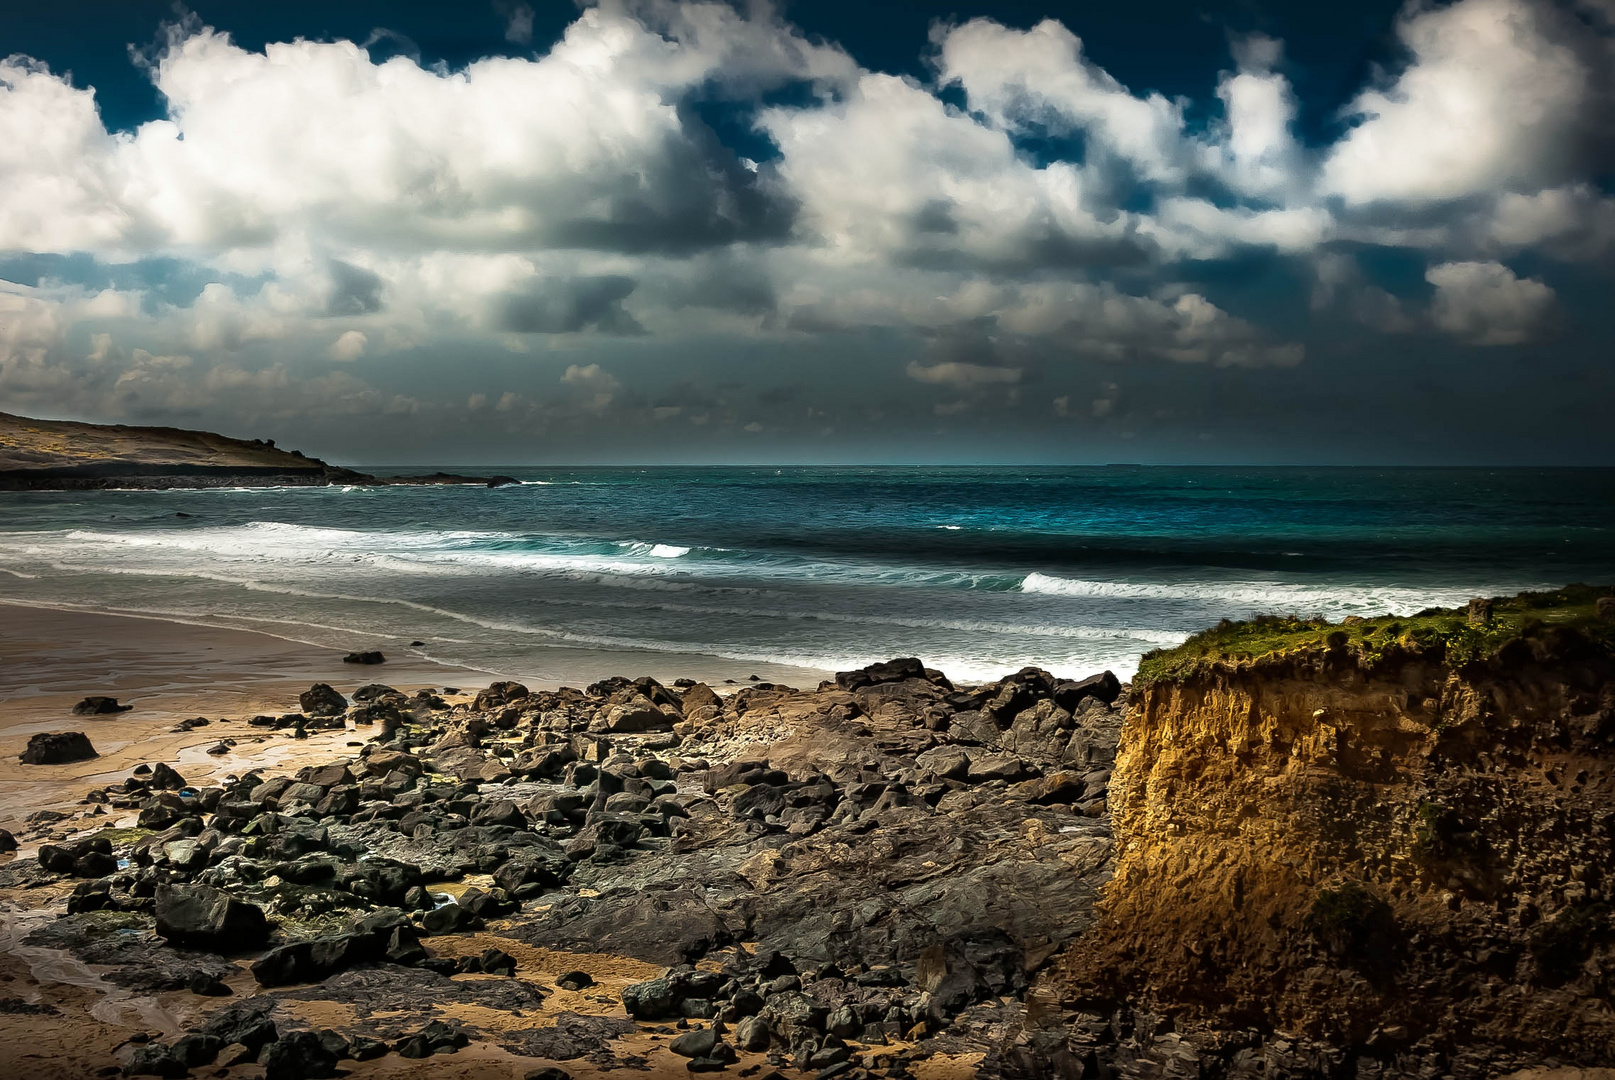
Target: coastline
(173, 670)
(51, 658)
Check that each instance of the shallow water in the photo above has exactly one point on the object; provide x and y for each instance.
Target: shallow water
(977, 571)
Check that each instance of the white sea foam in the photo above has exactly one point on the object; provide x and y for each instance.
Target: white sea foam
(1266, 596)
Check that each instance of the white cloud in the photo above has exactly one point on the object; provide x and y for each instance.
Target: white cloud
(314, 140)
(350, 346)
(1491, 101)
(889, 171)
(1258, 154)
(598, 386)
(1486, 304)
(1040, 76)
(963, 376)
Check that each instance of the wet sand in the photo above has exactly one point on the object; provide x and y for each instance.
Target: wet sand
(50, 660)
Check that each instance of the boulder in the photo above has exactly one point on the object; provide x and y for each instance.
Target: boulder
(372, 691)
(1104, 686)
(891, 671)
(203, 916)
(945, 762)
(96, 705)
(655, 999)
(163, 778)
(369, 657)
(695, 1044)
(57, 748)
(154, 1059)
(996, 767)
(638, 715)
(499, 693)
(321, 700)
(701, 696)
(297, 1055)
(753, 1035)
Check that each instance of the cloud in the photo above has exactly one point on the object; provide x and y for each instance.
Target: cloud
(891, 172)
(1485, 304)
(354, 290)
(552, 306)
(518, 22)
(319, 141)
(1040, 77)
(350, 346)
(598, 386)
(963, 376)
(1016, 219)
(1491, 100)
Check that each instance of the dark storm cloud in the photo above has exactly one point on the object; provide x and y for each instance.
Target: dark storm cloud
(566, 306)
(354, 290)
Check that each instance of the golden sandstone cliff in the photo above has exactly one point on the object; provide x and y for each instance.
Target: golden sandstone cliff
(1378, 849)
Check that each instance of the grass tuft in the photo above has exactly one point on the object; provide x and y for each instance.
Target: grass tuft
(1446, 630)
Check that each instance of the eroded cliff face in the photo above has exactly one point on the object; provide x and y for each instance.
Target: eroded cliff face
(1402, 861)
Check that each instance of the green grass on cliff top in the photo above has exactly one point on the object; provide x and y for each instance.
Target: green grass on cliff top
(1271, 635)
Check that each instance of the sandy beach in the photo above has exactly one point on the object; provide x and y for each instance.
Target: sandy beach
(169, 672)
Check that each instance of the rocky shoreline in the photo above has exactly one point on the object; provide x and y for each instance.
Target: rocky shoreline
(890, 875)
(863, 873)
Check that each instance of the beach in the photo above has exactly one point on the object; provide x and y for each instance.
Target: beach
(70, 1015)
(169, 672)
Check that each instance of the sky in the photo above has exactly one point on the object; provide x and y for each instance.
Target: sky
(643, 231)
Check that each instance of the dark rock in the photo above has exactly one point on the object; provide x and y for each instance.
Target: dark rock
(196, 1050)
(7, 841)
(96, 705)
(368, 657)
(656, 999)
(753, 1035)
(164, 778)
(1104, 686)
(363, 1048)
(372, 691)
(207, 984)
(694, 1044)
(297, 1055)
(203, 916)
(321, 700)
(57, 748)
(155, 1060)
(450, 919)
(548, 1072)
(497, 694)
(245, 1024)
(890, 671)
(996, 767)
(575, 980)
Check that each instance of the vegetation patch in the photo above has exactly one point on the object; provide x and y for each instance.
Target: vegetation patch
(1351, 922)
(1444, 631)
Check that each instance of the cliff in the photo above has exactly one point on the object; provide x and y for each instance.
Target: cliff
(1382, 848)
(65, 454)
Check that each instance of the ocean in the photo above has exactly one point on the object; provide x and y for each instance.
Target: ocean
(788, 573)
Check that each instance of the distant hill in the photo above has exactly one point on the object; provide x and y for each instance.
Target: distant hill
(65, 454)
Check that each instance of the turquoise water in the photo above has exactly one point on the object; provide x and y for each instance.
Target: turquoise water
(977, 570)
